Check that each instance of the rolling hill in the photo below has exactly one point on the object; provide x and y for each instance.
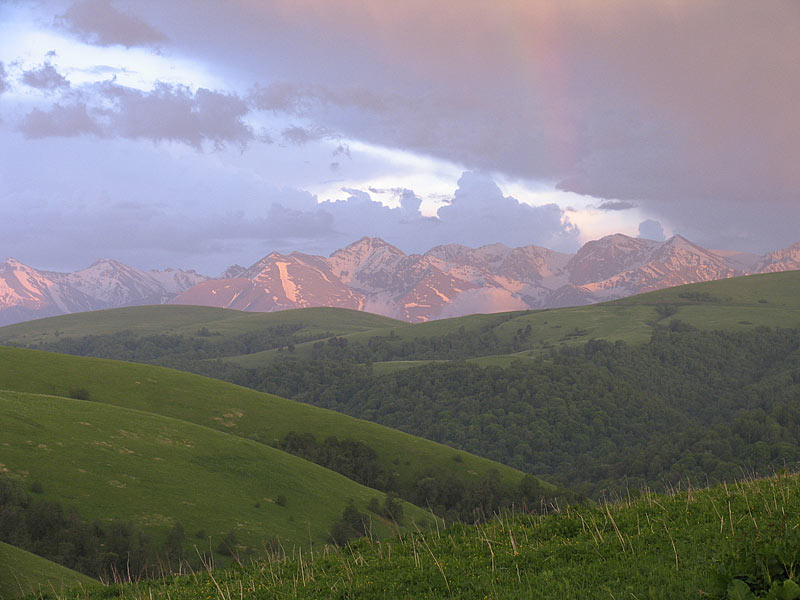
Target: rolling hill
(221, 323)
(738, 303)
(232, 409)
(734, 304)
(24, 573)
(113, 462)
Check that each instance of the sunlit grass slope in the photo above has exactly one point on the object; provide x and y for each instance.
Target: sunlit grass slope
(188, 320)
(23, 573)
(696, 544)
(113, 462)
(226, 407)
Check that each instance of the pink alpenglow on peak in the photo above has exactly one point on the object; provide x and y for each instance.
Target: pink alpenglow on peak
(373, 275)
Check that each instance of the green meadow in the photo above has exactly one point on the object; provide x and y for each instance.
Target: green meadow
(113, 462)
(24, 573)
(737, 541)
(228, 408)
(188, 320)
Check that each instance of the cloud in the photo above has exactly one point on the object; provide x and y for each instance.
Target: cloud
(481, 214)
(615, 205)
(477, 214)
(594, 98)
(98, 22)
(173, 112)
(60, 121)
(483, 301)
(45, 78)
(301, 135)
(3, 78)
(166, 113)
(651, 230)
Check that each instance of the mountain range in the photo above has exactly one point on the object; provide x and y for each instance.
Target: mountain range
(373, 275)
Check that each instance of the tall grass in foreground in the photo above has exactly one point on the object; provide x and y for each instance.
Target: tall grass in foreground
(732, 541)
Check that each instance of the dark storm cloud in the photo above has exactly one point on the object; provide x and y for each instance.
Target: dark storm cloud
(45, 78)
(99, 22)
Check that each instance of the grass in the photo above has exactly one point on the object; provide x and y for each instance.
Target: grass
(187, 320)
(226, 407)
(111, 462)
(691, 544)
(729, 304)
(24, 573)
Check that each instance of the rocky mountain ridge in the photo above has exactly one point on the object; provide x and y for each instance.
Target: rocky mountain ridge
(372, 275)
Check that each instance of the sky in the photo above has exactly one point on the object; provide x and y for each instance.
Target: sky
(200, 134)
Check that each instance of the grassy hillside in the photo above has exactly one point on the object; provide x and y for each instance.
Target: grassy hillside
(731, 304)
(113, 462)
(737, 541)
(24, 573)
(232, 409)
(188, 320)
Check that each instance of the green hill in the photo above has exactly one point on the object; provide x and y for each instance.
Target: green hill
(113, 462)
(735, 542)
(734, 304)
(496, 339)
(229, 408)
(24, 573)
(220, 323)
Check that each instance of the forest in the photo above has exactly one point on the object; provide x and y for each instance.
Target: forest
(600, 418)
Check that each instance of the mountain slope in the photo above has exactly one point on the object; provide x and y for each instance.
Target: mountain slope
(24, 573)
(228, 408)
(27, 293)
(374, 276)
(114, 462)
(454, 280)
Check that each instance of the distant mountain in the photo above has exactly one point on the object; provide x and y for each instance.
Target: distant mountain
(27, 293)
(787, 259)
(452, 280)
(374, 276)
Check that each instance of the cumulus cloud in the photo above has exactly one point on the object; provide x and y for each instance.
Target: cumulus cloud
(482, 301)
(45, 78)
(651, 230)
(477, 214)
(98, 22)
(168, 112)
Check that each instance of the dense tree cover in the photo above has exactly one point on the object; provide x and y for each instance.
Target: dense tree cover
(114, 550)
(599, 416)
(128, 345)
(447, 495)
(170, 349)
(602, 416)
